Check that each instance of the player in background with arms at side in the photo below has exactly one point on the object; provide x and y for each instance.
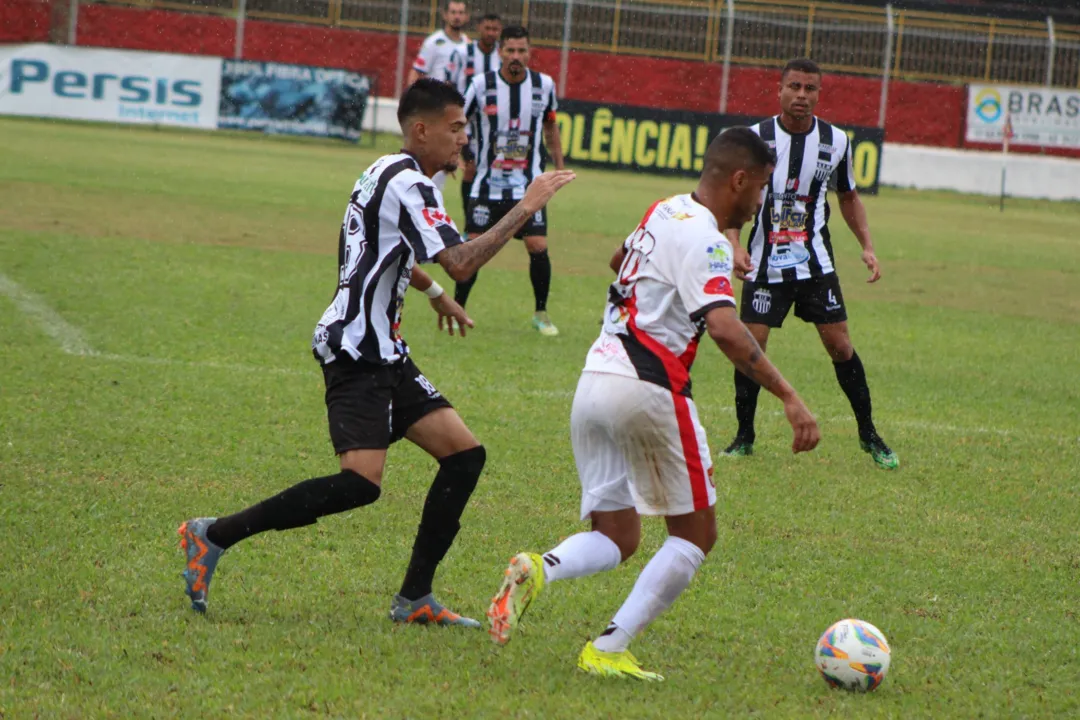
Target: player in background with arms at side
(639, 446)
(441, 51)
(512, 112)
(790, 256)
(481, 57)
(375, 394)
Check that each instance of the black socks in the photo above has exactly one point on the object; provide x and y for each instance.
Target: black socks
(852, 378)
(540, 275)
(746, 397)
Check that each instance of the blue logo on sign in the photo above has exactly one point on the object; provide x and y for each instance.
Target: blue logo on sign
(78, 85)
(988, 105)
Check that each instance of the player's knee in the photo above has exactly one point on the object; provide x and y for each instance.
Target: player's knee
(536, 244)
(840, 351)
(465, 467)
(357, 490)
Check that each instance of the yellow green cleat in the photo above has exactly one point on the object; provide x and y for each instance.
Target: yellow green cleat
(614, 664)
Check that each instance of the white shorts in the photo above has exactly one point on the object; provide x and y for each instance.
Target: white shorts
(640, 446)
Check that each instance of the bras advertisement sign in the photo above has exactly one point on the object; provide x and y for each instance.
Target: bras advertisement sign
(1039, 115)
(673, 142)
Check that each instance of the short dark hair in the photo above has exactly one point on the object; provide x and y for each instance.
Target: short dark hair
(448, 3)
(491, 17)
(513, 32)
(738, 148)
(803, 65)
(427, 95)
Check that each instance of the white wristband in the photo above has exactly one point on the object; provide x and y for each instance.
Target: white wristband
(434, 291)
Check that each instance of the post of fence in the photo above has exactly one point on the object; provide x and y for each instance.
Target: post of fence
(73, 22)
(403, 37)
(889, 28)
(1051, 48)
(241, 18)
(564, 58)
(729, 37)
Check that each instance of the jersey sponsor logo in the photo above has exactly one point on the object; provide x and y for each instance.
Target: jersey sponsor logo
(719, 259)
(440, 41)
(762, 301)
(491, 109)
(481, 215)
(788, 236)
(792, 184)
(537, 103)
(435, 216)
(421, 62)
(826, 148)
(788, 217)
(718, 286)
(824, 170)
(788, 255)
(681, 216)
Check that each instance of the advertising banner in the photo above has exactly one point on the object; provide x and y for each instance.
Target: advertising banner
(673, 142)
(292, 99)
(1039, 116)
(110, 85)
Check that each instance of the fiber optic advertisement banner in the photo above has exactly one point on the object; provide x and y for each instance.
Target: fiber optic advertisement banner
(111, 85)
(1039, 115)
(292, 99)
(673, 142)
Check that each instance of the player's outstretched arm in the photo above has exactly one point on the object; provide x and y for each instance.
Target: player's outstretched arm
(462, 261)
(734, 340)
(445, 307)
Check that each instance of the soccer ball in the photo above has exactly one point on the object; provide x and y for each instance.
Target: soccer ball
(853, 655)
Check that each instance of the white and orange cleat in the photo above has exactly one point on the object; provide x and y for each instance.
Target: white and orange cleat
(523, 581)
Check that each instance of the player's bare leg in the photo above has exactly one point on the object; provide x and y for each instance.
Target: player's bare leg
(540, 276)
(204, 540)
(614, 538)
(668, 574)
(746, 397)
(444, 436)
(852, 378)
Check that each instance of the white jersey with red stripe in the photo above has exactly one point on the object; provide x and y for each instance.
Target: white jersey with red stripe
(676, 269)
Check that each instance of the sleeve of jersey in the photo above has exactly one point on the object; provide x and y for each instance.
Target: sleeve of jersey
(704, 281)
(424, 57)
(553, 105)
(845, 175)
(471, 100)
(425, 223)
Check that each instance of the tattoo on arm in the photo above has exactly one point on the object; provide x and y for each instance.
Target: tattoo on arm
(469, 257)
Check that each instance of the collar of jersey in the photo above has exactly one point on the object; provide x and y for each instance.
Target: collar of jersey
(784, 130)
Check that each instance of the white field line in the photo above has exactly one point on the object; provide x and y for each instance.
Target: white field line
(72, 342)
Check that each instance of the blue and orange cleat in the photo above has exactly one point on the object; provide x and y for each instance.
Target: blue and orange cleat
(202, 559)
(426, 611)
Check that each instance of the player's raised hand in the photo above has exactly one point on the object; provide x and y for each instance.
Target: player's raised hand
(742, 263)
(807, 434)
(452, 314)
(544, 188)
(871, 262)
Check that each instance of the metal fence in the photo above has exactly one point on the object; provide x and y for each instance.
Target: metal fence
(880, 42)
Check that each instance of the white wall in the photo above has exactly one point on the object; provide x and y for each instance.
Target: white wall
(979, 172)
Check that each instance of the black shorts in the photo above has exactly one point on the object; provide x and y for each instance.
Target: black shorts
(372, 406)
(483, 214)
(817, 301)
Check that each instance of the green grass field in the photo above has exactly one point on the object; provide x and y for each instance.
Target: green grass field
(187, 272)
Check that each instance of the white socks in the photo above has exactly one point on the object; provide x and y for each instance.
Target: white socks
(663, 579)
(581, 555)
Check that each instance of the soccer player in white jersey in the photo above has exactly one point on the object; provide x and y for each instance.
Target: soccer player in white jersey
(790, 257)
(512, 113)
(375, 394)
(441, 51)
(639, 446)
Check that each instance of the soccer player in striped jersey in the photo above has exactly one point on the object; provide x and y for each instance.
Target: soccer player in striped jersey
(375, 394)
(512, 112)
(481, 57)
(441, 50)
(639, 446)
(789, 261)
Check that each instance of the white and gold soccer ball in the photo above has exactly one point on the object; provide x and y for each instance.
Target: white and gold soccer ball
(853, 655)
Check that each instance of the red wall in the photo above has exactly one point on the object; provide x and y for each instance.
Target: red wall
(918, 113)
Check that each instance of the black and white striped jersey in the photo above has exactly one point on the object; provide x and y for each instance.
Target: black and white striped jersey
(507, 124)
(439, 56)
(476, 62)
(395, 219)
(790, 238)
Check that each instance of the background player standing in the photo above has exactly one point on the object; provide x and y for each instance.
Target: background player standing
(375, 394)
(508, 110)
(790, 258)
(481, 57)
(639, 446)
(442, 49)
